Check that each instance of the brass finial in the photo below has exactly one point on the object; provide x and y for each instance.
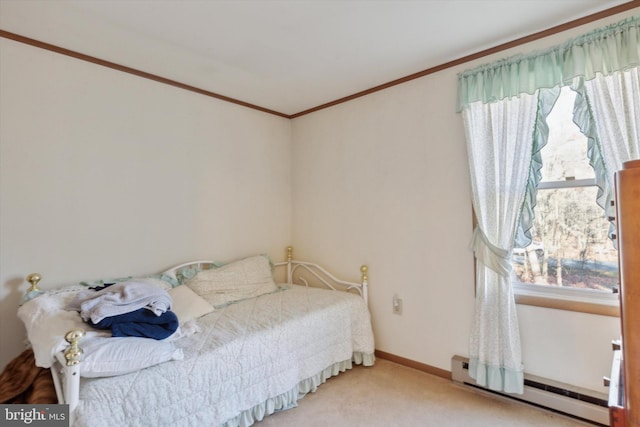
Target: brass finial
(33, 278)
(289, 253)
(74, 352)
(364, 269)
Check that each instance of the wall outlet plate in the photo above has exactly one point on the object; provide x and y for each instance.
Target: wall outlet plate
(397, 304)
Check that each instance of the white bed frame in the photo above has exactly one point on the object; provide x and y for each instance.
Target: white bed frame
(65, 369)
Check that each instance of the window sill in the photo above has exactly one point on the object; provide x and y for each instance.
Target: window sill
(584, 301)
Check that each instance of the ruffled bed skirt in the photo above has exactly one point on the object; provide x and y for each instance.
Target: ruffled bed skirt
(290, 398)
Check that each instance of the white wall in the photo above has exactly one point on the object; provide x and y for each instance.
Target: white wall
(383, 180)
(103, 173)
(377, 181)
(106, 174)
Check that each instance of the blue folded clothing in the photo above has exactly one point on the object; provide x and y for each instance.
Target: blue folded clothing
(140, 323)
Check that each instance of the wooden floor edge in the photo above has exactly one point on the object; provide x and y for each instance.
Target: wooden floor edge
(442, 373)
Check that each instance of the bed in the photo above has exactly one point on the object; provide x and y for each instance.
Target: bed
(241, 351)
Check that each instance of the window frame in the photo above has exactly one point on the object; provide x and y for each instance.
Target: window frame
(566, 298)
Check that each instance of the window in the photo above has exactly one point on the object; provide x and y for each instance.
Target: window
(571, 256)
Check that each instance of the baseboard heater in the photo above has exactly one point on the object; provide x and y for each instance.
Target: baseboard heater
(577, 402)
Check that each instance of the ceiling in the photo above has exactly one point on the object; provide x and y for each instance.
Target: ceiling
(285, 55)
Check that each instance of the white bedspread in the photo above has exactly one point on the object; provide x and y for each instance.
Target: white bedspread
(246, 354)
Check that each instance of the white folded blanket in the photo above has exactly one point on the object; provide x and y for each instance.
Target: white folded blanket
(120, 298)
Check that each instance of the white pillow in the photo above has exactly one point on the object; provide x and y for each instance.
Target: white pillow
(187, 304)
(238, 280)
(107, 357)
(47, 322)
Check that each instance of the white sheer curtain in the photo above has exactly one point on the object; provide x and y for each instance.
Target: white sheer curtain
(504, 135)
(499, 144)
(615, 106)
(615, 103)
(607, 110)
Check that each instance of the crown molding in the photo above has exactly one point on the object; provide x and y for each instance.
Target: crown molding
(523, 40)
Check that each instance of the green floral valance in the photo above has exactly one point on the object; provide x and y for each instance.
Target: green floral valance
(605, 51)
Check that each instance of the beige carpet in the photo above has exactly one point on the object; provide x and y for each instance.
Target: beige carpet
(389, 394)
